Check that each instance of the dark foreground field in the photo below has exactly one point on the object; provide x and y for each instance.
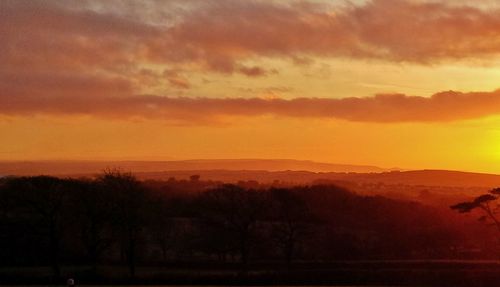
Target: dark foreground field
(427, 273)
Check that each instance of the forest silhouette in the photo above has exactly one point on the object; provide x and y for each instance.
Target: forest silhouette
(115, 220)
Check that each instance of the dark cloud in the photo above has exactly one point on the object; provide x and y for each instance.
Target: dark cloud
(441, 107)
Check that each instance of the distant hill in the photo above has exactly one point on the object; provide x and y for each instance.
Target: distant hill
(85, 167)
(432, 177)
(266, 171)
(417, 177)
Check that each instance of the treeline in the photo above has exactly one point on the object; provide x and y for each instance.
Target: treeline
(116, 219)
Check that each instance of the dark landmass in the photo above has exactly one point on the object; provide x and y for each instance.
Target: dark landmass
(233, 227)
(95, 167)
(264, 171)
(417, 177)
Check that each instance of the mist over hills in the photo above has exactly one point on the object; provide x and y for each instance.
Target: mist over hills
(415, 178)
(84, 167)
(262, 170)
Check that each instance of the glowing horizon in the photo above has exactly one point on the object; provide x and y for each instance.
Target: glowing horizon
(409, 84)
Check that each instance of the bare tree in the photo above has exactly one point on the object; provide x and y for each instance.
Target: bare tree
(161, 224)
(92, 206)
(129, 199)
(291, 219)
(234, 212)
(43, 197)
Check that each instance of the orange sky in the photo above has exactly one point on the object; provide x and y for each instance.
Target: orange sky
(407, 83)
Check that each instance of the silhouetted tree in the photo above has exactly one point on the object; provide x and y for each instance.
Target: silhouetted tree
(43, 197)
(233, 213)
(291, 218)
(161, 223)
(487, 203)
(129, 199)
(92, 206)
(195, 177)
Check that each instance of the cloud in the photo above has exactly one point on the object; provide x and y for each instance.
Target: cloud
(219, 36)
(22, 87)
(176, 80)
(253, 71)
(392, 30)
(91, 58)
(386, 108)
(43, 36)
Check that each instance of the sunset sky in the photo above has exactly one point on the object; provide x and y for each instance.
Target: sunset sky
(393, 83)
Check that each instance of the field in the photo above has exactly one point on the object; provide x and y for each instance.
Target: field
(407, 273)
